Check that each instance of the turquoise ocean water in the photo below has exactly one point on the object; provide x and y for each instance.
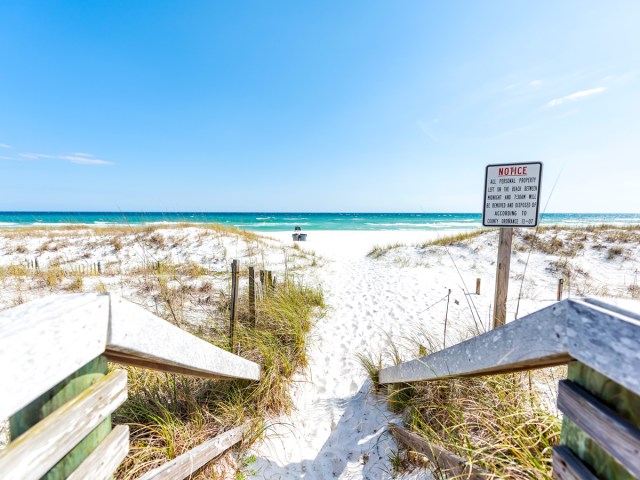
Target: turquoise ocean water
(307, 221)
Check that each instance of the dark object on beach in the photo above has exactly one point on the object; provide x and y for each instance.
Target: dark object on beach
(299, 237)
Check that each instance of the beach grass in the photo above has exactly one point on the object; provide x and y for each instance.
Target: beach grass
(169, 414)
(502, 424)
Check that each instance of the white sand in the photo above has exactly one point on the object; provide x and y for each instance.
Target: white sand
(339, 427)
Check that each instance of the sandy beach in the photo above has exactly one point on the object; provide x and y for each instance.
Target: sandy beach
(339, 429)
(378, 285)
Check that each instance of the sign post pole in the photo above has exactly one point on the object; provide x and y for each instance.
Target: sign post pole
(502, 277)
(511, 199)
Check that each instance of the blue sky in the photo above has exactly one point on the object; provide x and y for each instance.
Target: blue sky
(315, 106)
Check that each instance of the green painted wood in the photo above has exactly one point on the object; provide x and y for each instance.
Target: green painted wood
(624, 402)
(50, 401)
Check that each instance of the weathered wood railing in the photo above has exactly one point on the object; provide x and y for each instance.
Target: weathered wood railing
(59, 397)
(600, 340)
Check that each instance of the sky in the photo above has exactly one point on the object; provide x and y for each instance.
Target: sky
(327, 106)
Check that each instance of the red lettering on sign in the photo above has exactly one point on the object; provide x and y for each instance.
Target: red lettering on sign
(512, 171)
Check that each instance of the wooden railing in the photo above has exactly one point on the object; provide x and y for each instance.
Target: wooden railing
(600, 340)
(59, 396)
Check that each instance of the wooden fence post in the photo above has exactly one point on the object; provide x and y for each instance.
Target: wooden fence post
(44, 405)
(99, 268)
(269, 280)
(477, 286)
(560, 287)
(263, 279)
(234, 305)
(502, 277)
(252, 296)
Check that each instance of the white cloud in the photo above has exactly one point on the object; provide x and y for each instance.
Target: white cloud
(535, 83)
(77, 158)
(84, 159)
(576, 96)
(4, 145)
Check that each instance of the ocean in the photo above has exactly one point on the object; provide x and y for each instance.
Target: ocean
(269, 221)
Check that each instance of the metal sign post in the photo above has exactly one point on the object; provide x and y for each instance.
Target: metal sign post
(511, 199)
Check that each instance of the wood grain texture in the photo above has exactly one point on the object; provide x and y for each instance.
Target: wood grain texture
(187, 463)
(614, 396)
(535, 341)
(46, 404)
(50, 338)
(104, 460)
(450, 465)
(615, 435)
(136, 334)
(606, 337)
(34, 453)
(503, 264)
(566, 466)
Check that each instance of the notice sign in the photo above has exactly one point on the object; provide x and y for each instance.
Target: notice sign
(512, 195)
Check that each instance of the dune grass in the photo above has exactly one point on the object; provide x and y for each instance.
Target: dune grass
(379, 251)
(170, 414)
(501, 423)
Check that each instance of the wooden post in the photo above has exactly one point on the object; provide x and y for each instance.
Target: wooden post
(502, 277)
(44, 405)
(234, 305)
(269, 280)
(560, 288)
(252, 296)
(263, 279)
(99, 268)
(35, 263)
(477, 286)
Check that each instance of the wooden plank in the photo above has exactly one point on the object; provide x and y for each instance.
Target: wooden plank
(450, 465)
(535, 341)
(606, 338)
(502, 277)
(566, 466)
(187, 463)
(34, 453)
(55, 398)
(608, 429)
(106, 458)
(169, 349)
(49, 338)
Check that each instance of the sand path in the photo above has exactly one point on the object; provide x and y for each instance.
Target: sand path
(339, 427)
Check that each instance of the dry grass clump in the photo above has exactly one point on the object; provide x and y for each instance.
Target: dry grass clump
(380, 250)
(615, 251)
(170, 414)
(453, 239)
(503, 424)
(494, 421)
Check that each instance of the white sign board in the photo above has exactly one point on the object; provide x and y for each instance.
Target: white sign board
(512, 195)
